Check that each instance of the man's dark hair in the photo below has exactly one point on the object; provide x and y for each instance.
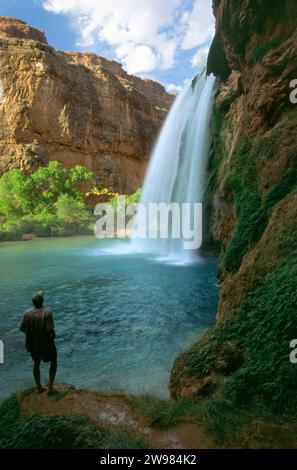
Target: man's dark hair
(37, 301)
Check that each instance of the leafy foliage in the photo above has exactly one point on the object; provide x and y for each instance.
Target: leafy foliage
(71, 210)
(21, 193)
(47, 202)
(135, 197)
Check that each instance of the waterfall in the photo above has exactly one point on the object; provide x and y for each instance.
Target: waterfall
(177, 168)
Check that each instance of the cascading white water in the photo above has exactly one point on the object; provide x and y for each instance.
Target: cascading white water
(177, 169)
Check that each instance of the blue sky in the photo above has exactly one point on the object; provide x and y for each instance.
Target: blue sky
(166, 40)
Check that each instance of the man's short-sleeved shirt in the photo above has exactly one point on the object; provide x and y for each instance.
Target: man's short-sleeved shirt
(37, 323)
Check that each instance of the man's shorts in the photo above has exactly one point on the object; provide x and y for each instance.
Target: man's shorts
(48, 354)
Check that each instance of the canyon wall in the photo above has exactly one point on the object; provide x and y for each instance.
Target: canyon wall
(74, 107)
(252, 199)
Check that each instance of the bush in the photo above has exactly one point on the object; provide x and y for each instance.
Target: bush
(72, 211)
(48, 202)
(22, 194)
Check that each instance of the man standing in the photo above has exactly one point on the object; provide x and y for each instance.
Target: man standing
(38, 325)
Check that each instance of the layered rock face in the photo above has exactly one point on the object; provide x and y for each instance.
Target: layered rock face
(252, 197)
(260, 45)
(15, 28)
(76, 108)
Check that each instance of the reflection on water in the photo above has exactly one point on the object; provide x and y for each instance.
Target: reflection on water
(120, 320)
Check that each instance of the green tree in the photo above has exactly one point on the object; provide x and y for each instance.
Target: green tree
(22, 194)
(12, 200)
(71, 211)
(48, 202)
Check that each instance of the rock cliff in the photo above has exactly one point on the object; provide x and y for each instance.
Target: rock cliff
(74, 107)
(252, 198)
(15, 28)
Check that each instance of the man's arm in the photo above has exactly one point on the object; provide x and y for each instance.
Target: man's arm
(50, 326)
(22, 324)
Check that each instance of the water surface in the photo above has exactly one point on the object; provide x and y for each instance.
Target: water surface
(120, 320)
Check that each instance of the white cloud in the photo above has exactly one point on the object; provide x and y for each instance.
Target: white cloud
(199, 25)
(135, 29)
(172, 88)
(136, 58)
(144, 35)
(199, 59)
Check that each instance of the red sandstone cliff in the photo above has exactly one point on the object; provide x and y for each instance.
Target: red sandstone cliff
(76, 108)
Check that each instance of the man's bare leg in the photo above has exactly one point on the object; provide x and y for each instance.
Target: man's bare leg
(52, 375)
(36, 375)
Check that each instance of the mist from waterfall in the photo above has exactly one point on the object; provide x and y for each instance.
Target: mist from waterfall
(178, 165)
